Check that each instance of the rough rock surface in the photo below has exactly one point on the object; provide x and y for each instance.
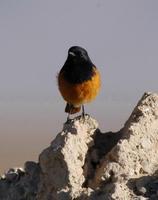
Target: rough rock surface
(135, 155)
(62, 174)
(19, 184)
(84, 164)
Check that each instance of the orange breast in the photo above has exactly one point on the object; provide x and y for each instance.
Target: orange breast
(78, 94)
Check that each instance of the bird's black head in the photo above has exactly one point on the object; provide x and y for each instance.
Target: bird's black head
(78, 66)
(78, 55)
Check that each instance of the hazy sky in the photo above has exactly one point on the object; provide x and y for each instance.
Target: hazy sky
(121, 37)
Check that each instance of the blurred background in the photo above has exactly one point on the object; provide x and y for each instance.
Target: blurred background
(121, 37)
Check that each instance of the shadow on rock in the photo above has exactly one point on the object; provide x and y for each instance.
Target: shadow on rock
(103, 143)
(146, 186)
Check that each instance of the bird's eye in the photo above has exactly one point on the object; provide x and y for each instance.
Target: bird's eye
(81, 55)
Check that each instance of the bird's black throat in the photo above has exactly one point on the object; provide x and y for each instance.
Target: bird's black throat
(78, 72)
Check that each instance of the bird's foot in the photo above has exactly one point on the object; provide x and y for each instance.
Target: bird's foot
(68, 121)
(83, 117)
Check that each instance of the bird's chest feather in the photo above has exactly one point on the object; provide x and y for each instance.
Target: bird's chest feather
(80, 92)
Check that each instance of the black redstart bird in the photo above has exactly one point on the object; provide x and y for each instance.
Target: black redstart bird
(78, 80)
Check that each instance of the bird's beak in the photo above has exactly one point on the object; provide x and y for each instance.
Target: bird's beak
(72, 53)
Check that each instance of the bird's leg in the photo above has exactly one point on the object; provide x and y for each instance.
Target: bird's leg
(68, 117)
(83, 113)
(68, 110)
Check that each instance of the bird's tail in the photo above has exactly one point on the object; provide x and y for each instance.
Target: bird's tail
(72, 109)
